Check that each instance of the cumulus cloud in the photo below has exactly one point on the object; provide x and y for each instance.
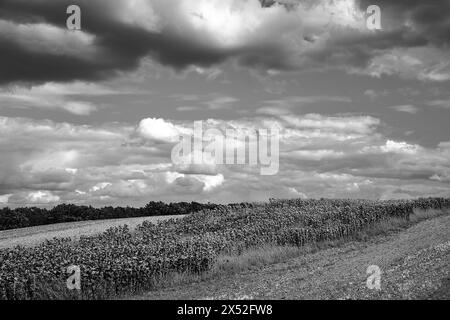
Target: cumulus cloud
(393, 147)
(115, 36)
(44, 162)
(45, 66)
(160, 130)
(267, 35)
(41, 197)
(4, 198)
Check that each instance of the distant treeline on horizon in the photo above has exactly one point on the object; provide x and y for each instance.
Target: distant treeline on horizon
(33, 216)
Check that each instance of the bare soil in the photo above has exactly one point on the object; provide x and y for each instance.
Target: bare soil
(415, 264)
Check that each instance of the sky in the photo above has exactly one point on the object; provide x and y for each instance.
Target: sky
(91, 116)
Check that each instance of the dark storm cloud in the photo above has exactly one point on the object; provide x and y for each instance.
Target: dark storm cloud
(118, 45)
(122, 44)
(356, 49)
(405, 25)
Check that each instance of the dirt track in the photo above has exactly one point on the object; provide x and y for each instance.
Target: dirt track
(415, 264)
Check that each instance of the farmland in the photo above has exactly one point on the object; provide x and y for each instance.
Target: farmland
(119, 261)
(34, 216)
(415, 260)
(32, 236)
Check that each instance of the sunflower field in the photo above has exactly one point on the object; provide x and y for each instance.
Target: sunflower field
(120, 261)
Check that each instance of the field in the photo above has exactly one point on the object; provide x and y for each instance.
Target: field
(32, 236)
(414, 258)
(119, 262)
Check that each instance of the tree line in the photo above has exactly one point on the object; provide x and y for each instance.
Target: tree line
(33, 216)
